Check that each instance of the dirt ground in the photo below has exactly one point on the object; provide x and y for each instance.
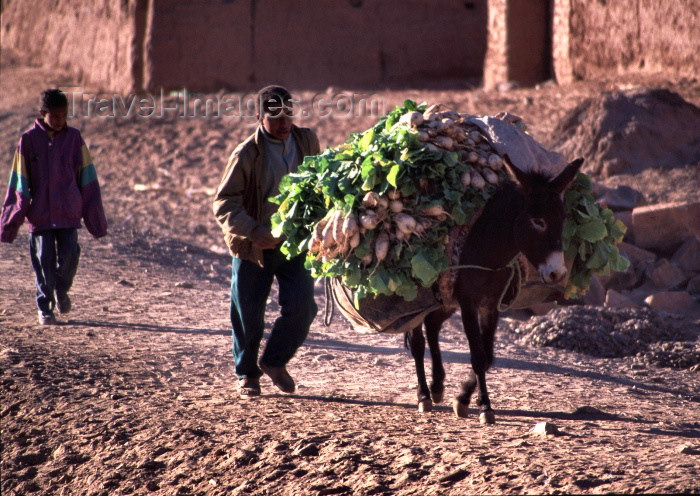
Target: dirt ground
(135, 393)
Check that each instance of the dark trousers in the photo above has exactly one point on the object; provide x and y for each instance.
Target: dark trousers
(250, 288)
(54, 254)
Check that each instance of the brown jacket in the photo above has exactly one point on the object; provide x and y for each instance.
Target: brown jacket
(239, 200)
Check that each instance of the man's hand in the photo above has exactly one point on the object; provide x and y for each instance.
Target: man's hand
(262, 238)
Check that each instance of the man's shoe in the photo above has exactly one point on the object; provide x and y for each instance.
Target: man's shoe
(249, 387)
(63, 302)
(280, 377)
(47, 318)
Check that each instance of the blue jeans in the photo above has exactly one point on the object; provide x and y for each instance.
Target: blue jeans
(250, 288)
(54, 254)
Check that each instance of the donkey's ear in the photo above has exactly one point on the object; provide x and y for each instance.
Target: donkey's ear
(516, 175)
(567, 176)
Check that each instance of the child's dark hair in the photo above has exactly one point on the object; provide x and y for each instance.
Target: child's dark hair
(272, 98)
(52, 99)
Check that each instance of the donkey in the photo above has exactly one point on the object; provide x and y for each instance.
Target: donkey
(526, 215)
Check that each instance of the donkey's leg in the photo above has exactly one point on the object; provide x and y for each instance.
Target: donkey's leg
(480, 364)
(470, 321)
(433, 323)
(488, 318)
(416, 343)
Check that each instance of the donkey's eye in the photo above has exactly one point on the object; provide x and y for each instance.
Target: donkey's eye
(539, 224)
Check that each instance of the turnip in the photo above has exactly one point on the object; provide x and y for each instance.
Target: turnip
(396, 206)
(423, 136)
(382, 203)
(413, 119)
(495, 161)
(445, 142)
(328, 241)
(367, 259)
(338, 231)
(466, 178)
(355, 240)
(369, 220)
(435, 211)
(473, 157)
(394, 194)
(370, 200)
(477, 180)
(315, 245)
(405, 223)
(381, 246)
(350, 227)
(490, 176)
(475, 135)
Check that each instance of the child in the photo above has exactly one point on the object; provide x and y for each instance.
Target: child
(53, 184)
(243, 211)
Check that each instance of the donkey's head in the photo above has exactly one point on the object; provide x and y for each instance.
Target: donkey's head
(538, 227)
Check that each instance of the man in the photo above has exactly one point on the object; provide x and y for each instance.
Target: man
(241, 207)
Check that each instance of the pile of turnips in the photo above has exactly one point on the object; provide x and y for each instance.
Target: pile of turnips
(377, 211)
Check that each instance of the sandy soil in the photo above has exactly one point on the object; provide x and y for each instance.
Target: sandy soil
(135, 392)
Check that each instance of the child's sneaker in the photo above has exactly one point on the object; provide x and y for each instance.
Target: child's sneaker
(47, 318)
(63, 302)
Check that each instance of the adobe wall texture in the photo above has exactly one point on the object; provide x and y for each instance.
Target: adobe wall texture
(315, 43)
(207, 45)
(605, 38)
(93, 39)
(519, 42)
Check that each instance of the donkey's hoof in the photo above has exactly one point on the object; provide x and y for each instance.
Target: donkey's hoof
(425, 405)
(437, 396)
(460, 409)
(487, 417)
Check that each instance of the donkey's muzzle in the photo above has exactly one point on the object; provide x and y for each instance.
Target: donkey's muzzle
(553, 270)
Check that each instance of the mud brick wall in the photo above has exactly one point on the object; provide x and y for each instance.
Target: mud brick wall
(208, 45)
(94, 40)
(518, 42)
(605, 38)
(315, 43)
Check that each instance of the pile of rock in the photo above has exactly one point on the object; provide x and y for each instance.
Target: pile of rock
(648, 337)
(663, 245)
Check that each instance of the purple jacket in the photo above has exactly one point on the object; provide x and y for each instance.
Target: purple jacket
(53, 183)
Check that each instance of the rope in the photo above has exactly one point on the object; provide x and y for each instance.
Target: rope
(514, 267)
(330, 303)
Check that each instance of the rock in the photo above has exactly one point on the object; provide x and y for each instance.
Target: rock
(626, 279)
(694, 286)
(664, 274)
(454, 476)
(306, 450)
(689, 450)
(625, 216)
(200, 229)
(636, 255)
(545, 429)
(620, 198)
(184, 285)
(125, 283)
(670, 301)
(596, 293)
(664, 227)
(588, 410)
(613, 299)
(687, 257)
